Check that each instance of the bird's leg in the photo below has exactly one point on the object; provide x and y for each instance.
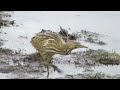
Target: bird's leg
(54, 66)
(47, 71)
(51, 64)
(47, 64)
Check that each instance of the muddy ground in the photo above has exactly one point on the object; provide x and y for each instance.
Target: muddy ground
(29, 67)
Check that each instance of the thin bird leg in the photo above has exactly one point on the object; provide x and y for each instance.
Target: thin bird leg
(40, 60)
(54, 66)
(47, 71)
(47, 64)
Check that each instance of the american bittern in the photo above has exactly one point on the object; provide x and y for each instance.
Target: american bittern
(50, 43)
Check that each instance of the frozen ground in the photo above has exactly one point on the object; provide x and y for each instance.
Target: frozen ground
(31, 22)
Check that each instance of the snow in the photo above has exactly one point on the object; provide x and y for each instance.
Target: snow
(32, 22)
(7, 76)
(110, 70)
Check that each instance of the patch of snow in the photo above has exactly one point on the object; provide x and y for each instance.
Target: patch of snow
(31, 22)
(110, 69)
(7, 76)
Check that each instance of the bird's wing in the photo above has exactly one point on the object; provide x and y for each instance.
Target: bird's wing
(51, 35)
(49, 41)
(56, 37)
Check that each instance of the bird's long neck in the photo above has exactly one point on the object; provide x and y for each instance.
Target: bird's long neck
(66, 49)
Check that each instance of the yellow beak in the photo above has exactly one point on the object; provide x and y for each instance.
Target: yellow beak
(82, 46)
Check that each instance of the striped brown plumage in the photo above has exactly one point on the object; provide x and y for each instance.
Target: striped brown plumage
(50, 43)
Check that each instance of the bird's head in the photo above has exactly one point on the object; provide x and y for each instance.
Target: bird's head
(74, 45)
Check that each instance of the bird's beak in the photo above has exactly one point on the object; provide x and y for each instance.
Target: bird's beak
(82, 46)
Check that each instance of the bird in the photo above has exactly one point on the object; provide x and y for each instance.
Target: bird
(49, 43)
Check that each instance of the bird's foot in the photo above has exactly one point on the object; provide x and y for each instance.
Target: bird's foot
(56, 68)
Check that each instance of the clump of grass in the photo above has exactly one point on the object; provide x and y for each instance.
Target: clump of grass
(33, 57)
(65, 34)
(92, 37)
(6, 51)
(4, 19)
(72, 36)
(101, 43)
(98, 75)
(104, 57)
(1, 43)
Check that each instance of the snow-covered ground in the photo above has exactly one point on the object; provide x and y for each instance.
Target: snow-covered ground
(31, 22)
